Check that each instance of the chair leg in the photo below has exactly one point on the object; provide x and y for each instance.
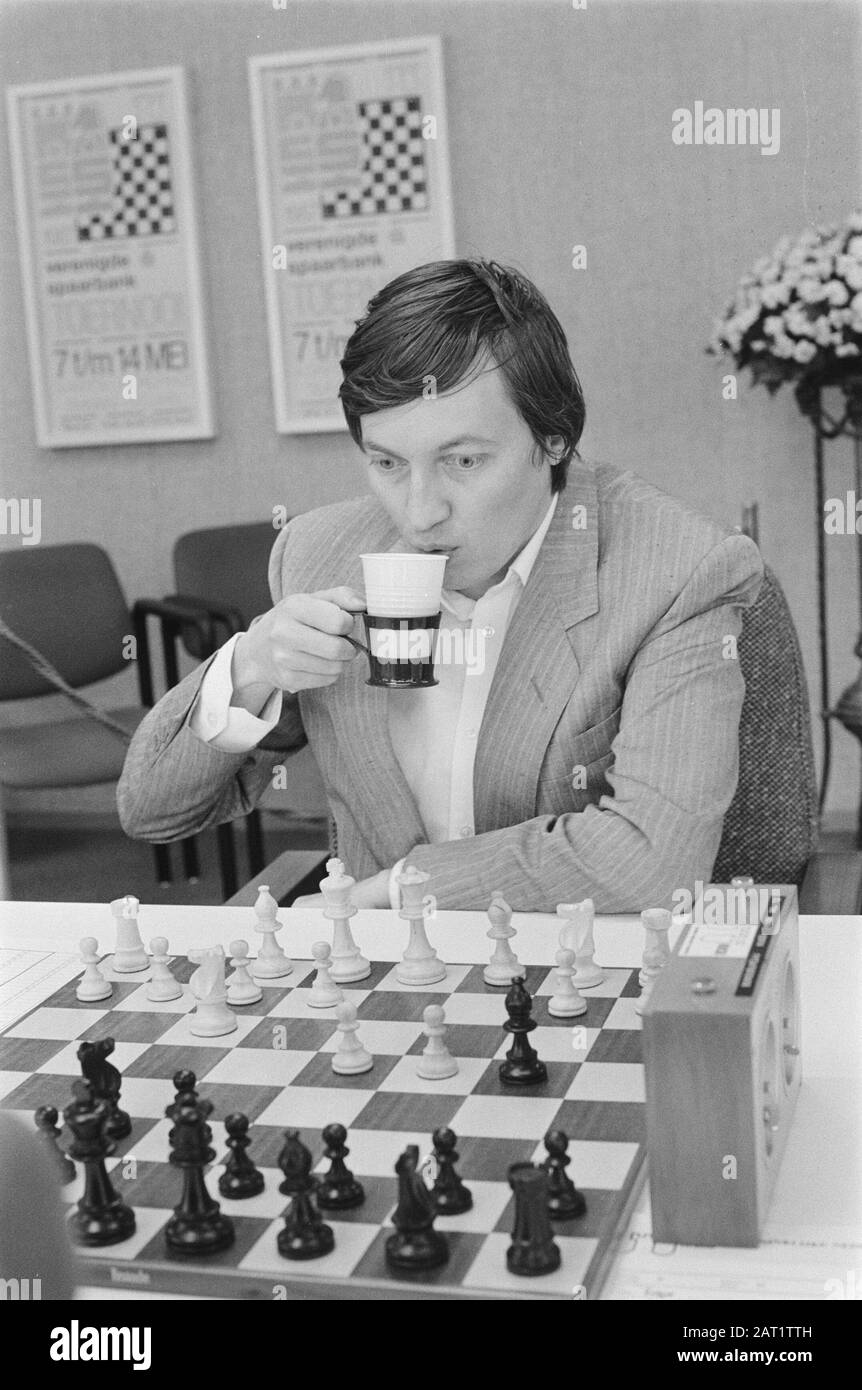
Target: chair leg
(191, 863)
(163, 865)
(227, 859)
(254, 843)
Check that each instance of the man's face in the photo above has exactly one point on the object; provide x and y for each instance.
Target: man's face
(456, 473)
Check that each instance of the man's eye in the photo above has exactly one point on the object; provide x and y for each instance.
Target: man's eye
(466, 463)
(385, 465)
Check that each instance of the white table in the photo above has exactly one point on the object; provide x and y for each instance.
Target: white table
(812, 1245)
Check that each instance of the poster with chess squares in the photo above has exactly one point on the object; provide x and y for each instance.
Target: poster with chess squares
(352, 171)
(108, 244)
(142, 193)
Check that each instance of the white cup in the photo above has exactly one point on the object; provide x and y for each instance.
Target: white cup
(403, 585)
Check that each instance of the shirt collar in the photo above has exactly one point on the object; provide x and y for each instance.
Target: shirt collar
(521, 568)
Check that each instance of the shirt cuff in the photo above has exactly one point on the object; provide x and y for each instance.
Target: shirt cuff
(394, 890)
(214, 720)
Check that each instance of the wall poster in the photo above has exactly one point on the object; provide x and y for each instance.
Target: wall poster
(353, 189)
(107, 235)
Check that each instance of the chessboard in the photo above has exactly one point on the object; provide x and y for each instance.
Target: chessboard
(393, 175)
(142, 198)
(276, 1069)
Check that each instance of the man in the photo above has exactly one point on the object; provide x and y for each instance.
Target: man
(591, 749)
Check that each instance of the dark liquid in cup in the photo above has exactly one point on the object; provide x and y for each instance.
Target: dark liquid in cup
(392, 669)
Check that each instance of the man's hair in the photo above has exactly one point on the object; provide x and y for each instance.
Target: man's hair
(443, 320)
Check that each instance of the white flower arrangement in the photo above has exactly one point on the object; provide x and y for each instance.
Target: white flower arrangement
(797, 315)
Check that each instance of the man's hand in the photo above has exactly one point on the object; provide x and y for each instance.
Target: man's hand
(370, 892)
(298, 645)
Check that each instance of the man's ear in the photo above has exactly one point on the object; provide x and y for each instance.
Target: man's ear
(555, 447)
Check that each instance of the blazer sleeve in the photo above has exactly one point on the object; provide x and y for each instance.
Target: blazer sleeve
(675, 770)
(173, 784)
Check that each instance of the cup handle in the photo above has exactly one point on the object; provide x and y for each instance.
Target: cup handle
(359, 645)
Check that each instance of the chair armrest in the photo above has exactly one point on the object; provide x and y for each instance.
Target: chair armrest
(832, 886)
(283, 876)
(231, 618)
(173, 614)
(174, 608)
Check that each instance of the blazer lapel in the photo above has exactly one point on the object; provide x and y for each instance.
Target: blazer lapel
(538, 669)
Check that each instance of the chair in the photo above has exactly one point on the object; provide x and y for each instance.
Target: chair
(224, 570)
(66, 601)
(221, 579)
(771, 826)
(771, 829)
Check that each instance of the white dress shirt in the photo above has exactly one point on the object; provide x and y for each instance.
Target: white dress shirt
(434, 732)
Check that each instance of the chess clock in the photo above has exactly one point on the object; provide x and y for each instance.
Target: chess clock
(722, 1065)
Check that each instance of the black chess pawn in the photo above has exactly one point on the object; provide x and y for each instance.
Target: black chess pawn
(449, 1195)
(101, 1218)
(49, 1133)
(533, 1249)
(197, 1226)
(522, 1066)
(564, 1199)
(415, 1244)
(240, 1177)
(185, 1085)
(305, 1235)
(105, 1080)
(338, 1189)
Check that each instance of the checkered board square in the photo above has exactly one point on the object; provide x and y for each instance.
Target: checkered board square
(276, 1068)
(393, 177)
(142, 197)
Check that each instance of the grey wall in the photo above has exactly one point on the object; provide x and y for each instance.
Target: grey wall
(560, 133)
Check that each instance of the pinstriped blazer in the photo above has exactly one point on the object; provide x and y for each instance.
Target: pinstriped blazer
(608, 752)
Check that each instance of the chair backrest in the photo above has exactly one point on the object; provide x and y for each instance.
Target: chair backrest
(66, 601)
(225, 565)
(770, 829)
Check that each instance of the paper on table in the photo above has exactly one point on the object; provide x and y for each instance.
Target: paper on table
(795, 1259)
(28, 977)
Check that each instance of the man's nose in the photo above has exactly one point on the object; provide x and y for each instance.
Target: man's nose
(427, 506)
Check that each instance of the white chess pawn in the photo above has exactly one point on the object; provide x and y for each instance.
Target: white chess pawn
(271, 962)
(348, 963)
(162, 987)
(129, 953)
(350, 1057)
(241, 988)
(436, 1061)
(566, 1001)
(212, 1017)
(504, 964)
(324, 994)
(92, 985)
(656, 922)
(577, 935)
(420, 964)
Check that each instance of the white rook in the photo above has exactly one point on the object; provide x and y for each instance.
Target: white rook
(129, 954)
